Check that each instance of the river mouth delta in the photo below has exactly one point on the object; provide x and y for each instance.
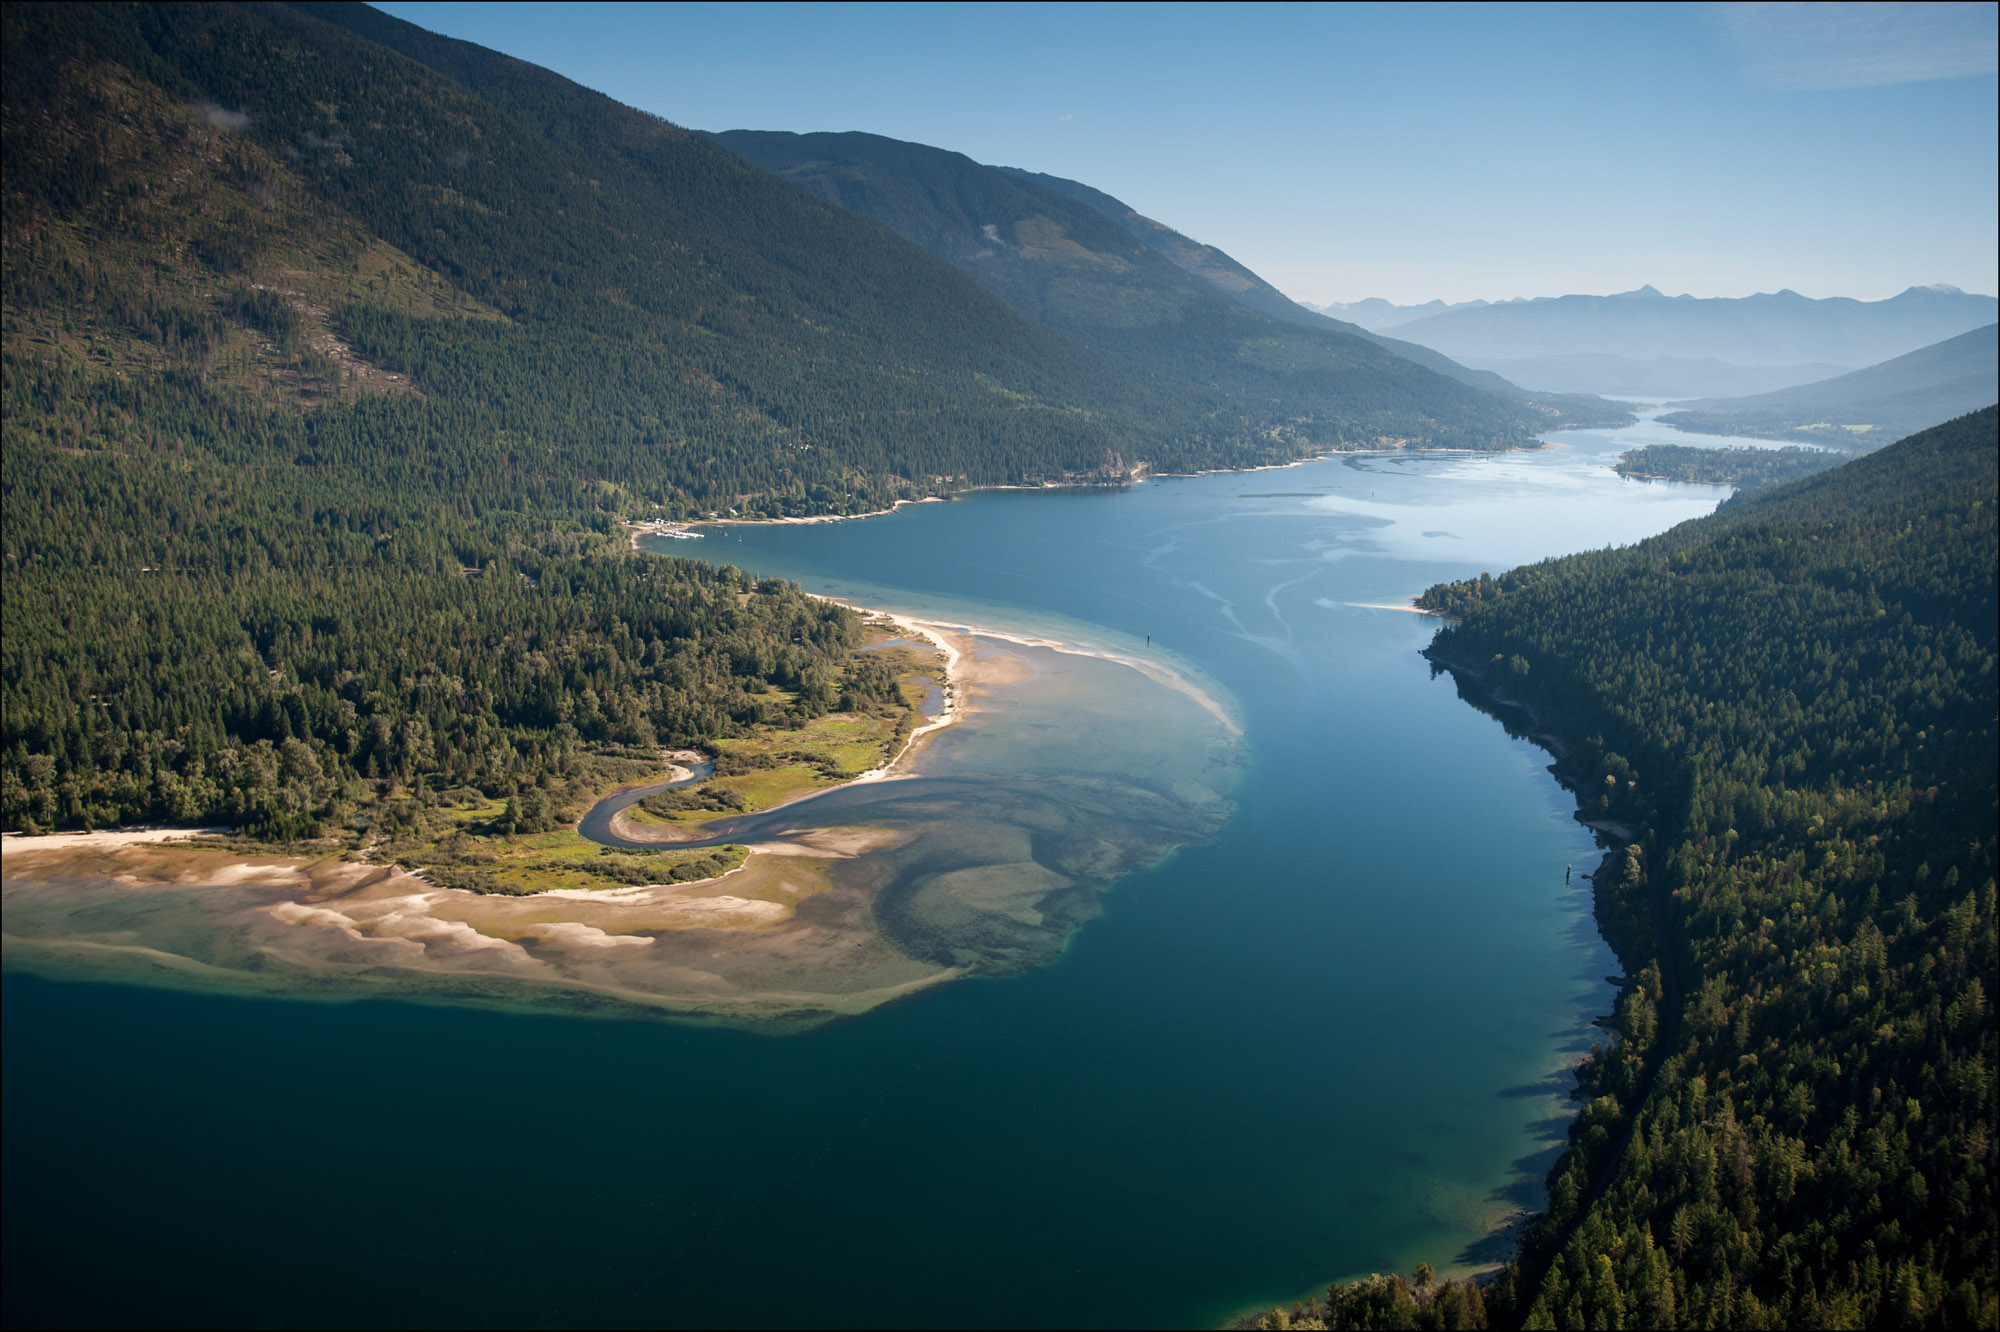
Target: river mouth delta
(1268, 961)
(985, 846)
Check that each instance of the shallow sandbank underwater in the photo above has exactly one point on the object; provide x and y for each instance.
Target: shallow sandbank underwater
(1049, 774)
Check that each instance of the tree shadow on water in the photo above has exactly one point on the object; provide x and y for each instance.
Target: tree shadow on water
(1556, 1084)
(1524, 1195)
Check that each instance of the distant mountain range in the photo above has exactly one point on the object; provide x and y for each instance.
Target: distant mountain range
(1096, 270)
(1644, 342)
(1866, 408)
(1376, 314)
(1661, 377)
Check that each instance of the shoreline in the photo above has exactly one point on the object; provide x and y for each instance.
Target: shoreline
(742, 948)
(954, 678)
(683, 529)
(103, 839)
(932, 630)
(1155, 671)
(787, 940)
(1520, 719)
(622, 825)
(1409, 607)
(957, 705)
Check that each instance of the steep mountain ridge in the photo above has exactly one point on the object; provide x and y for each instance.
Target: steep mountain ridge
(747, 345)
(1076, 260)
(1225, 274)
(1375, 314)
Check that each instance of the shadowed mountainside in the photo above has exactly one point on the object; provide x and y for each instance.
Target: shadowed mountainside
(1082, 263)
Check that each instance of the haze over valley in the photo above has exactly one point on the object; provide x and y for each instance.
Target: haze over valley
(1647, 344)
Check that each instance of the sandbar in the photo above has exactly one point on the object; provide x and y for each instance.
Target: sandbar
(1408, 608)
(13, 844)
(798, 934)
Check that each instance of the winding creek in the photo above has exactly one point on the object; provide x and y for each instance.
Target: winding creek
(596, 825)
(1275, 974)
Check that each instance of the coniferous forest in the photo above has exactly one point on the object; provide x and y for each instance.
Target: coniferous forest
(1791, 708)
(332, 373)
(339, 358)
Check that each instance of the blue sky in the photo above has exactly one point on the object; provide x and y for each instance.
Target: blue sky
(1405, 151)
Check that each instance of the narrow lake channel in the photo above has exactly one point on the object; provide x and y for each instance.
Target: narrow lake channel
(1325, 1034)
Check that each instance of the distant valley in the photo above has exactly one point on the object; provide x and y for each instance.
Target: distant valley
(1864, 408)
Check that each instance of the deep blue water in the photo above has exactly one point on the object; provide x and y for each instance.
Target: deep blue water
(1329, 1040)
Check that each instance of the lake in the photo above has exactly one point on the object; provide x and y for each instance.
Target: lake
(1322, 1033)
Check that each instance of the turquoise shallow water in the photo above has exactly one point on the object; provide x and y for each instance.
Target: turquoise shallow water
(1328, 1039)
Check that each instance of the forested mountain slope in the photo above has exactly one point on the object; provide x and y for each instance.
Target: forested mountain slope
(737, 341)
(1084, 264)
(331, 371)
(1225, 274)
(1792, 706)
(1865, 407)
(1381, 403)
(327, 385)
(330, 375)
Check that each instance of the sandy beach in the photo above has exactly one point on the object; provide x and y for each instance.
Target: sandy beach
(15, 844)
(1408, 608)
(955, 663)
(794, 935)
(730, 948)
(684, 531)
(1159, 672)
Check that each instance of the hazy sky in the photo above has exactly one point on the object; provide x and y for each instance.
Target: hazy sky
(1405, 151)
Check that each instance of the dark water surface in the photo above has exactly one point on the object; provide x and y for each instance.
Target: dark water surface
(1327, 1040)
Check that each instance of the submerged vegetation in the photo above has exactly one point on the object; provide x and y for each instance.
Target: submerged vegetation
(1793, 706)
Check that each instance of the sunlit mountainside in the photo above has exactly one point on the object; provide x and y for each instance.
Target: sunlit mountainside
(767, 350)
(1865, 408)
